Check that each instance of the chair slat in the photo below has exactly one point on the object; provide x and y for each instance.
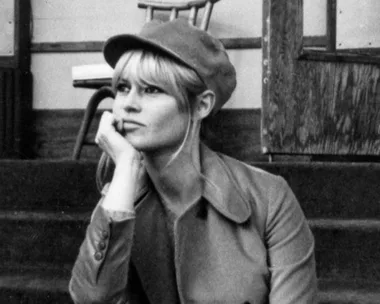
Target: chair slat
(168, 5)
(149, 14)
(207, 15)
(174, 14)
(193, 15)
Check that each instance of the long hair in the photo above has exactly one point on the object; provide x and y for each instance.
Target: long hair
(154, 68)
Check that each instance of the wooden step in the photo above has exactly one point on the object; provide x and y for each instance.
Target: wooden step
(348, 292)
(347, 249)
(48, 185)
(40, 283)
(325, 190)
(48, 285)
(333, 190)
(41, 237)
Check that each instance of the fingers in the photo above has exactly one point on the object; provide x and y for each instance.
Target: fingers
(106, 125)
(110, 139)
(119, 126)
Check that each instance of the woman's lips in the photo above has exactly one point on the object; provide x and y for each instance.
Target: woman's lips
(131, 124)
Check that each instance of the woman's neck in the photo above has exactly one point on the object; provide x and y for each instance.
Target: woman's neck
(176, 176)
(158, 161)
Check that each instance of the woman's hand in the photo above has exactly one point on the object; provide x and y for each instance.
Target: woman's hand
(110, 140)
(128, 164)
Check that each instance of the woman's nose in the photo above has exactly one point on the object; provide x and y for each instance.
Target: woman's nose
(130, 102)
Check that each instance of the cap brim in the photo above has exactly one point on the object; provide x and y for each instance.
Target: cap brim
(116, 46)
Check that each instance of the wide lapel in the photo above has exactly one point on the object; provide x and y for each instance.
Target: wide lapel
(221, 188)
(212, 264)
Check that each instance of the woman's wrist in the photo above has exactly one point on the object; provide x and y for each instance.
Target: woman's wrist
(123, 186)
(128, 160)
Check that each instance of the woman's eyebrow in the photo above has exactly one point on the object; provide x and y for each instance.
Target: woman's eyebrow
(124, 80)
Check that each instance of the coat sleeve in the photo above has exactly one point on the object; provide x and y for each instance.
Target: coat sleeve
(100, 272)
(290, 250)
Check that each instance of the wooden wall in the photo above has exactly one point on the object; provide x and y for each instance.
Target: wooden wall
(314, 107)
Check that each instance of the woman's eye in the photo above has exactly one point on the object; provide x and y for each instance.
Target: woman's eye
(123, 88)
(153, 90)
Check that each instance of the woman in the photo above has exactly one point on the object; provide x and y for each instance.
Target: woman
(177, 222)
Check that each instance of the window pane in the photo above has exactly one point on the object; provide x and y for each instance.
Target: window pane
(7, 27)
(358, 24)
(314, 17)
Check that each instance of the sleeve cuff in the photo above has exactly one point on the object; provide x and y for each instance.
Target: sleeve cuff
(118, 216)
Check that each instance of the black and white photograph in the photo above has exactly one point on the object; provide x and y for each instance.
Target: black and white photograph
(190, 152)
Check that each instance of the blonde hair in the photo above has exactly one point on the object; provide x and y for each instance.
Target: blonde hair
(154, 68)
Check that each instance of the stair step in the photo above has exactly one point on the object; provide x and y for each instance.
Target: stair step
(62, 216)
(325, 190)
(348, 292)
(38, 284)
(347, 249)
(345, 224)
(41, 237)
(48, 185)
(333, 190)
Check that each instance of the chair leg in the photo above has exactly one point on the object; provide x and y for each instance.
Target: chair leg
(89, 113)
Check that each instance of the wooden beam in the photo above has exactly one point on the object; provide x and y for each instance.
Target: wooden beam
(340, 56)
(331, 25)
(97, 46)
(67, 47)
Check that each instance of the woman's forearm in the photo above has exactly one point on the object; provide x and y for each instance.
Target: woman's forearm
(122, 189)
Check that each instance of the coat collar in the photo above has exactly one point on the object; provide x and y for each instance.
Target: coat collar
(218, 186)
(221, 188)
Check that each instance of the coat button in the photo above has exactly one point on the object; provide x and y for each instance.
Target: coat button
(104, 234)
(98, 255)
(101, 245)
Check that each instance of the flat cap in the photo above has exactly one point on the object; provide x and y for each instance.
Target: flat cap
(186, 43)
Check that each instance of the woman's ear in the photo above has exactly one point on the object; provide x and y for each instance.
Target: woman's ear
(204, 104)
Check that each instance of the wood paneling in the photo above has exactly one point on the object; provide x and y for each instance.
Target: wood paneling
(234, 132)
(15, 85)
(350, 56)
(15, 88)
(331, 25)
(312, 107)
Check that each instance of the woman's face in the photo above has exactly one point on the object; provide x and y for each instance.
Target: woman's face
(149, 116)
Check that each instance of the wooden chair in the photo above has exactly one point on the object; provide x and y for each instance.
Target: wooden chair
(175, 6)
(103, 85)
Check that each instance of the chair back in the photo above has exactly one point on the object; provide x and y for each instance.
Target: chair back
(174, 6)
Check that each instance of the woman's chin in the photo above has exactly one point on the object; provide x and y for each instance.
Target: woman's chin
(152, 145)
(140, 144)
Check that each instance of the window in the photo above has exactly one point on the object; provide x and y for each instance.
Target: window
(351, 30)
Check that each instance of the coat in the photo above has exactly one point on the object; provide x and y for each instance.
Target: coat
(246, 241)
